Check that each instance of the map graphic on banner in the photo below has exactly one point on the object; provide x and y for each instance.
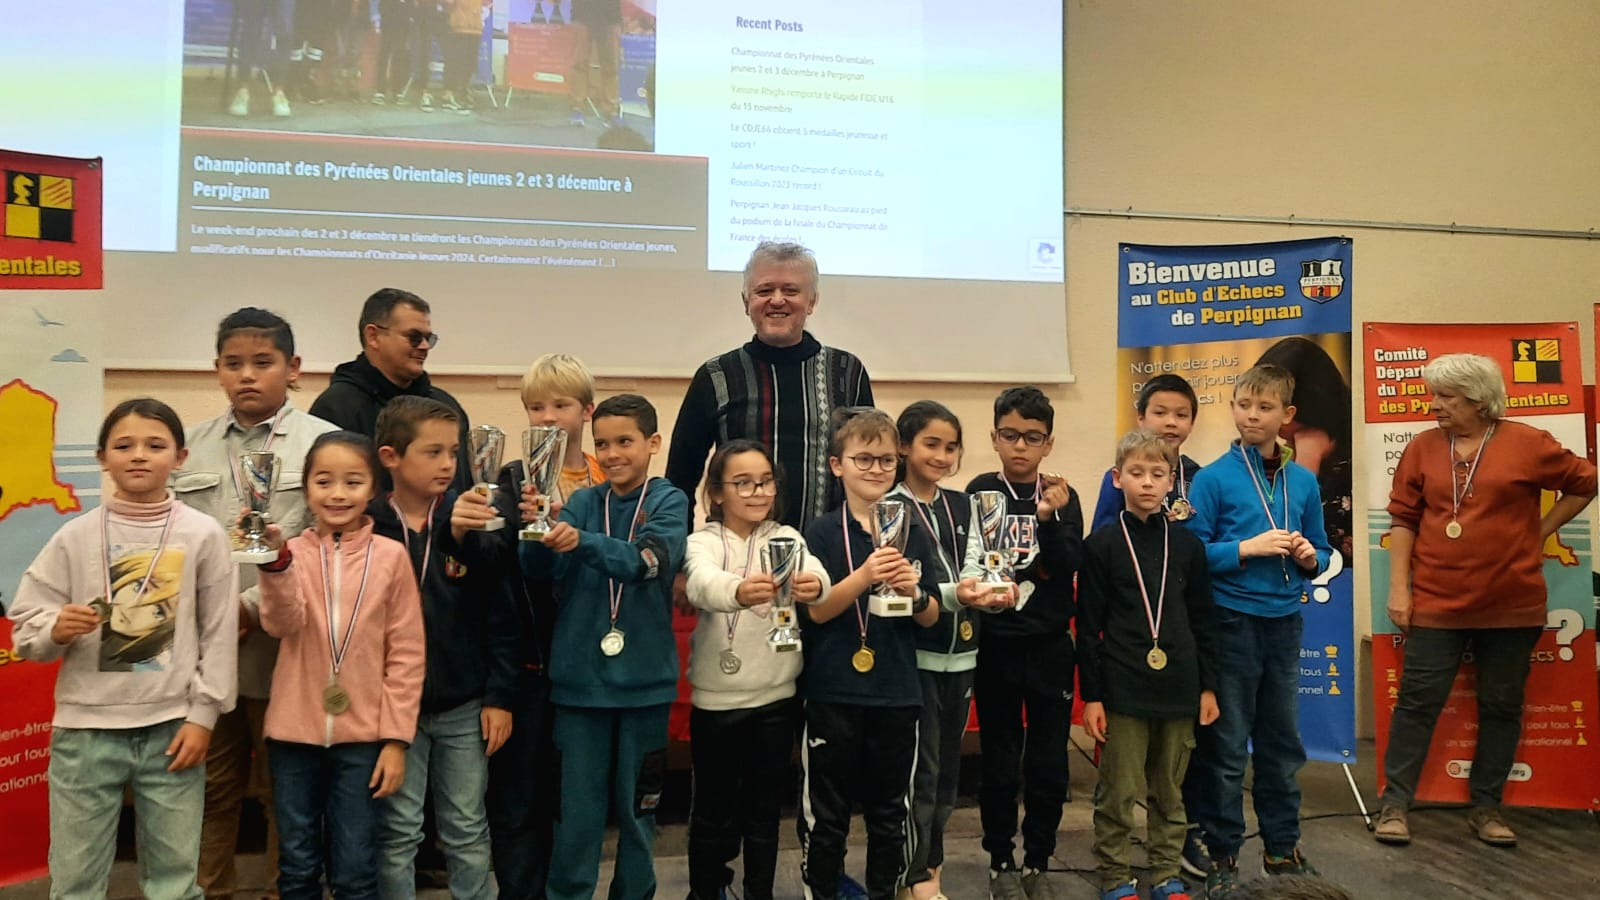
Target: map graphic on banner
(1208, 313)
(50, 388)
(1555, 766)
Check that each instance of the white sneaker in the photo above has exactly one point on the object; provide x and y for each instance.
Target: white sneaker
(280, 105)
(241, 103)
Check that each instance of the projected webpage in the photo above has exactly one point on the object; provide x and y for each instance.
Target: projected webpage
(904, 138)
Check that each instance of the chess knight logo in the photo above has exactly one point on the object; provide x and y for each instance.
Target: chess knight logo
(1321, 280)
(1536, 361)
(38, 207)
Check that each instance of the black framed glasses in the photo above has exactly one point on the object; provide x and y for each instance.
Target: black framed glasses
(429, 339)
(866, 462)
(745, 488)
(1031, 438)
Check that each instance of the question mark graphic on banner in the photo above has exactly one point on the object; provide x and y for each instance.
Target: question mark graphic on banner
(1335, 565)
(1568, 624)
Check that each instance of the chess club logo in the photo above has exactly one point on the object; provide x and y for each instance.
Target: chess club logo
(38, 207)
(1536, 361)
(1321, 280)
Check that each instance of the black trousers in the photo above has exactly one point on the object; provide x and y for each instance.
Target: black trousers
(521, 797)
(946, 700)
(1023, 676)
(742, 775)
(1432, 656)
(855, 754)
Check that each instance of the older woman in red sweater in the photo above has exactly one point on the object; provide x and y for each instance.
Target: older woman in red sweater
(1465, 574)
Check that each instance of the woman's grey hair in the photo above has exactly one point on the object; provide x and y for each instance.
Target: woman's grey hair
(1474, 377)
(784, 252)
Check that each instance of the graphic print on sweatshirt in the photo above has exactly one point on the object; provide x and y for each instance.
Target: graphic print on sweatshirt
(137, 627)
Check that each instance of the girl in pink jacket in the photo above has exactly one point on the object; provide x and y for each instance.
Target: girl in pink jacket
(348, 683)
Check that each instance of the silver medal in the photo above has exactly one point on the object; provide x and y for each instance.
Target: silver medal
(729, 662)
(611, 644)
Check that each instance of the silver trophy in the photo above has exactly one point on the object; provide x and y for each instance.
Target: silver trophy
(486, 444)
(891, 526)
(543, 449)
(999, 552)
(782, 558)
(258, 478)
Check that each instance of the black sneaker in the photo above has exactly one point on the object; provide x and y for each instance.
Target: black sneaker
(1006, 884)
(1036, 884)
(1293, 864)
(1222, 880)
(1196, 858)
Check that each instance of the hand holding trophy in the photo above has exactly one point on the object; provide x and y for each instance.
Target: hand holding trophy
(891, 521)
(998, 555)
(486, 444)
(257, 479)
(543, 448)
(781, 558)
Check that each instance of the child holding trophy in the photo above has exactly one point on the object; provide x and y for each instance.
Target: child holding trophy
(348, 680)
(613, 663)
(947, 654)
(745, 572)
(862, 697)
(257, 367)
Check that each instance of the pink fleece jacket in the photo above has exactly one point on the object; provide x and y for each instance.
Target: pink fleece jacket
(382, 669)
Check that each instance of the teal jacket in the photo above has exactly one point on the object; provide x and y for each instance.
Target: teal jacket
(645, 673)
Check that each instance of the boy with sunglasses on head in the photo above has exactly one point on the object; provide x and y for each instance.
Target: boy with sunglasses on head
(1026, 655)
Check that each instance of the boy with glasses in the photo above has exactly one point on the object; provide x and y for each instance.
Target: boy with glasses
(396, 331)
(1026, 656)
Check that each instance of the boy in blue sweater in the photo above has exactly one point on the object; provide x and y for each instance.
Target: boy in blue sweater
(613, 659)
(1260, 516)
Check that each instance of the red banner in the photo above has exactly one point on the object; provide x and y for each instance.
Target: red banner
(1555, 764)
(50, 227)
(24, 758)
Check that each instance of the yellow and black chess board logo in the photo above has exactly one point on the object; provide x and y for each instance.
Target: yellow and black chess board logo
(1536, 361)
(39, 207)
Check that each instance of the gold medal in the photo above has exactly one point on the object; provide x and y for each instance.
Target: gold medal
(1180, 510)
(965, 630)
(1156, 658)
(1453, 530)
(863, 660)
(335, 701)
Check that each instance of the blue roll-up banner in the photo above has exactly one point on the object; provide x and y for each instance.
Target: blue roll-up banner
(1208, 313)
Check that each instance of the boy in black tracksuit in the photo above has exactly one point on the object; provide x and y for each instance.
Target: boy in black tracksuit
(472, 642)
(1148, 666)
(862, 695)
(1026, 655)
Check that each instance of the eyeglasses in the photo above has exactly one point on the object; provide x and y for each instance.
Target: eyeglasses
(1031, 438)
(866, 462)
(416, 338)
(745, 488)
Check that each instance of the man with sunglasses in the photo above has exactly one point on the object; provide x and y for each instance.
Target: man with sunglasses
(780, 389)
(396, 334)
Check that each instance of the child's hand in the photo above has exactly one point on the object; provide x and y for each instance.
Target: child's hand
(470, 513)
(1094, 721)
(969, 592)
(881, 565)
(758, 588)
(1054, 496)
(1303, 551)
(904, 580)
(563, 538)
(1208, 707)
(1273, 542)
(74, 621)
(188, 747)
(806, 587)
(496, 723)
(390, 772)
(273, 537)
(528, 507)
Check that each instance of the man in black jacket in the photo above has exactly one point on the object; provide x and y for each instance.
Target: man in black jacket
(396, 334)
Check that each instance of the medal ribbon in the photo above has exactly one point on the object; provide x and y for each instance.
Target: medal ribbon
(613, 589)
(1265, 496)
(1038, 482)
(1459, 491)
(105, 547)
(427, 540)
(331, 597)
(849, 560)
(1154, 618)
(749, 556)
(932, 524)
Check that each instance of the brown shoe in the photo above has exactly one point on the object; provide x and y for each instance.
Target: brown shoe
(1392, 827)
(1490, 828)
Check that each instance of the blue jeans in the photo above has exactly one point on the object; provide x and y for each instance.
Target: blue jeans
(447, 756)
(88, 769)
(325, 811)
(1258, 687)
